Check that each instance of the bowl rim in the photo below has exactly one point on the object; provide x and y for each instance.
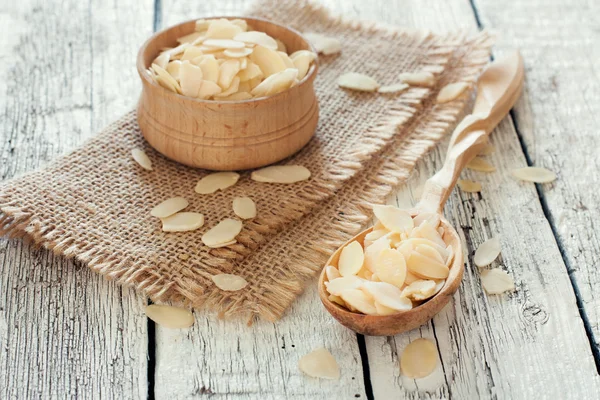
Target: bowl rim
(141, 68)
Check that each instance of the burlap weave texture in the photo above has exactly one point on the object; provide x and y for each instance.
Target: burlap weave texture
(94, 203)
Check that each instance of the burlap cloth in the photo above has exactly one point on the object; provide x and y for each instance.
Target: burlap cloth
(93, 204)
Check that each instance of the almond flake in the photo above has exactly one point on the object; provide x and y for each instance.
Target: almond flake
(320, 363)
(376, 234)
(372, 252)
(162, 60)
(229, 282)
(208, 89)
(393, 88)
(216, 181)
(425, 267)
(302, 60)
(244, 52)
(244, 207)
(534, 174)
(393, 218)
(324, 44)
(387, 295)
(487, 252)
(209, 66)
(338, 285)
(222, 29)
(267, 60)
(190, 77)
(351, 259)
(250, 72)
(202, 25)
(356, 81)
(496, 281)
(276, 83)
(332, 272)
(430, 252)
(235, 84)
(224, 44)
(479, 164)
(286, 59)
(414, 242)
(359, 300)
(391, 268)
(383, 310)
(469, 186)
(257, 38)
(169, 207)
(173, 68)
(281, 46)
(431, 218)
(425, 79)
(225, 244)
(170, 317)
(337, 299)
(410, 278)
(225, 231)
(227, 71)
(451, 92)
(427, 231)
(281, 174)
(142, 159)
(420, 290)
(419, 359)
(191, 38)
(182, 222)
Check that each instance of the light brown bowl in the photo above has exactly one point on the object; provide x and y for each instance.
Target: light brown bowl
(390, 325)
(221, 135)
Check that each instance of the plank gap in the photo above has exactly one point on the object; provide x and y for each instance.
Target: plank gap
(561, 248)
(548, 215)
(151, 357)
(157, 20)
(364, 356)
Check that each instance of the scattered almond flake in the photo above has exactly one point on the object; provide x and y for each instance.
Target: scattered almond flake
(142, 159)
(225, 231)
(391, 267)
(432, 218)
(388, 295)
(451, 92)
(182, 222)
(420, 290)
(479, 164)
(218, 246)
(337, 299)
(356, 81)
(320, 363)
(351, 259)
(169, 207)
(469, 186)
(229, 282)
(425, 79)
(487, 252)
(393, 219)
(534, 174)
(183, 257)
(359, 300)
(332, 272)
(419, 359)
(244, 207)
(487, 150)
(281, 174)
(338, 285)
(324, 44)
(393, 88)
(216, 181)
(170, 317)
(425, 267)
(383, 310)
(496, 281)
(372, 252)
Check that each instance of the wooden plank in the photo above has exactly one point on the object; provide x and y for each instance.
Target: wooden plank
(64, 331)
(558, 122)
(228, 359)
(496, 346)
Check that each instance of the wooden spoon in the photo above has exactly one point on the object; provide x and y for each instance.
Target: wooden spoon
(498, 89)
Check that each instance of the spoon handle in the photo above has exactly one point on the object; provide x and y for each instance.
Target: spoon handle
(498, 89)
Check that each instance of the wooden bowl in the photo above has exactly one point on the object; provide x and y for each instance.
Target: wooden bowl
(221, 135)
(390, 325)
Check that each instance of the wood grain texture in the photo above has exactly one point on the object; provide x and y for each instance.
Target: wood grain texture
(558, 119)
(491, 346)
(226, 135)
(64, 331)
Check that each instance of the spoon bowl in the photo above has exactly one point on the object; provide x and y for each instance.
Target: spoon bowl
(389, 325)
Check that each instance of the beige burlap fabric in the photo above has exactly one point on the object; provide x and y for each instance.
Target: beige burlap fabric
(94, 203)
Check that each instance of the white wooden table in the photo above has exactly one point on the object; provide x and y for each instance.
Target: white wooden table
(67, 70)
